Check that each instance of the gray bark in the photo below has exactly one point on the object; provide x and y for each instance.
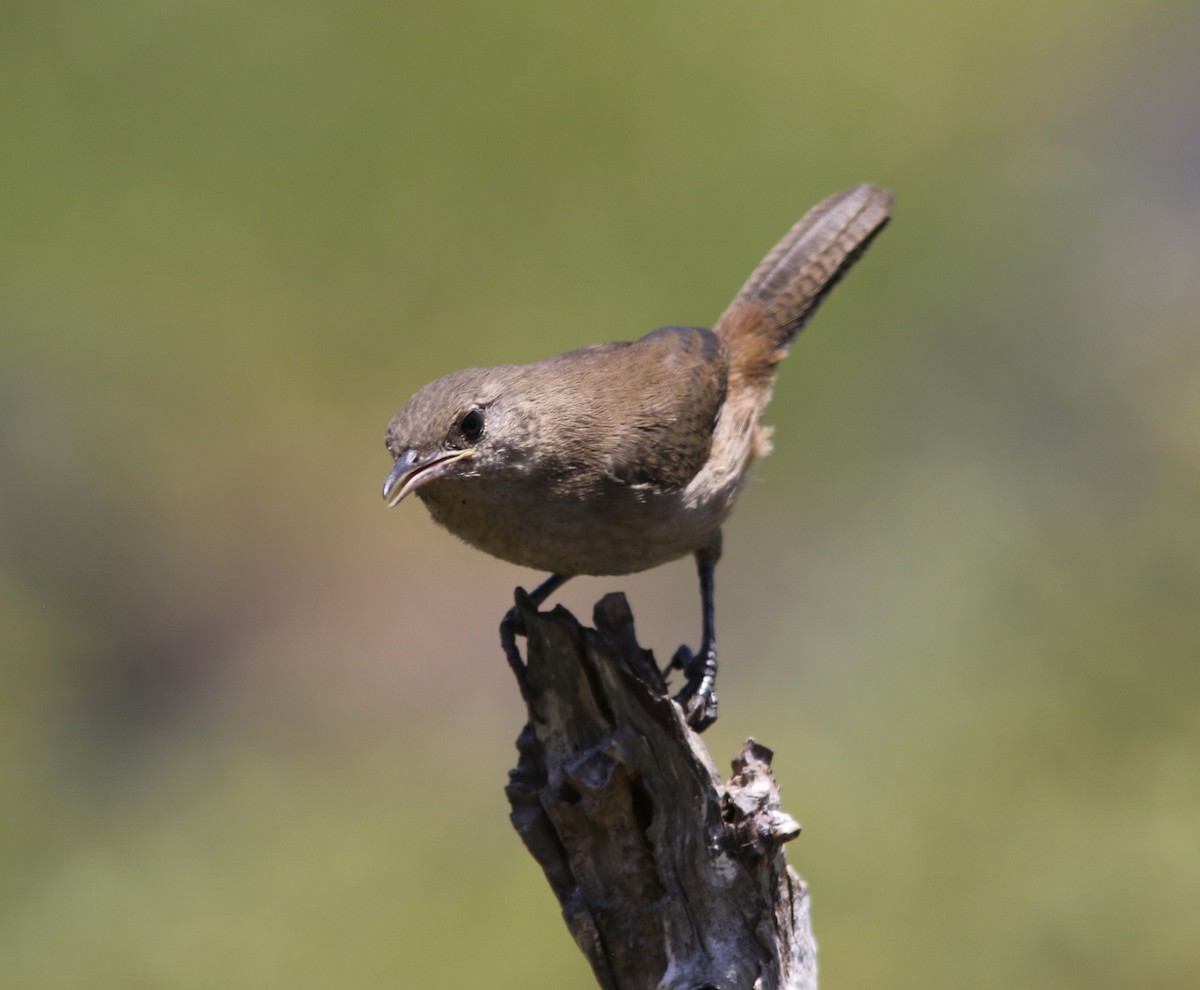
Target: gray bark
(668, 878)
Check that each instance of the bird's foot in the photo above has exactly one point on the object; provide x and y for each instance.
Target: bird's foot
(512, 626)
(698, 698)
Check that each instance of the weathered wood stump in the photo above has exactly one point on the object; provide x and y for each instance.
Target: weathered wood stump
(668, 878)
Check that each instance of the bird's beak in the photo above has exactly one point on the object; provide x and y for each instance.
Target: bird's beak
(411, 471)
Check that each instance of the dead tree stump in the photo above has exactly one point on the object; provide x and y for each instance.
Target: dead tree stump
(667, 877)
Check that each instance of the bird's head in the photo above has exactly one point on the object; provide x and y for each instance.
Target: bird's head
(461, 426)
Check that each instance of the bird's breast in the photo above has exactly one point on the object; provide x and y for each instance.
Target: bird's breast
(623, 530)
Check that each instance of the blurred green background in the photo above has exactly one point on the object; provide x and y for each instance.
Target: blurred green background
(254, 729)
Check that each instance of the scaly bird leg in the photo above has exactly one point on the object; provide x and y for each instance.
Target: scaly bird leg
(699, 697)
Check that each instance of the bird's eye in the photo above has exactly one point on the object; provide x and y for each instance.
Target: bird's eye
(472, 425)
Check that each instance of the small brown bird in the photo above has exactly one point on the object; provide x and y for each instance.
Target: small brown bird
(619, 457)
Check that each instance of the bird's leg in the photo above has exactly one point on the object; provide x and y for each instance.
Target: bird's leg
(511, 626)
(699, 697)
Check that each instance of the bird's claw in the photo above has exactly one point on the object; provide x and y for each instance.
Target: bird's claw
(513, 621)
(512, 626)
(680, 661)
(698, 697)
(699, 703)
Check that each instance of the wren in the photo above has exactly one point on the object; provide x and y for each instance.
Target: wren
(619, 457)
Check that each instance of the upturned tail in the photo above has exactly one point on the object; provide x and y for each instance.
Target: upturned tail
(785, 290)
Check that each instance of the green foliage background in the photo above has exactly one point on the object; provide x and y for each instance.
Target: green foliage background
(254, 730)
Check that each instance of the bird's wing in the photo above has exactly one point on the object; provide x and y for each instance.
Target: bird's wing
(668, 389)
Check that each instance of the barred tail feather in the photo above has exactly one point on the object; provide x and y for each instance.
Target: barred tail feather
(791, 282)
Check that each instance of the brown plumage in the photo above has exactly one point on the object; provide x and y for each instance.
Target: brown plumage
(618, 457)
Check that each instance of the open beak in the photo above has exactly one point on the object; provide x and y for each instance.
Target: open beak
(411, 471)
